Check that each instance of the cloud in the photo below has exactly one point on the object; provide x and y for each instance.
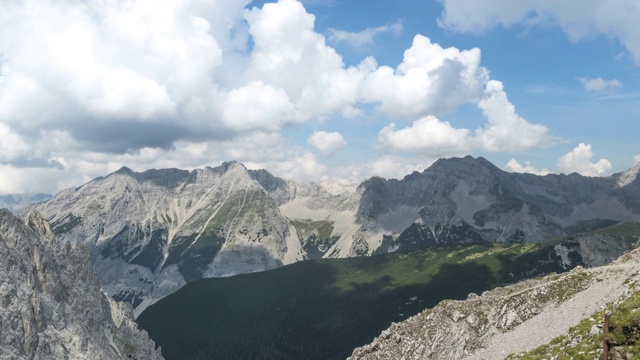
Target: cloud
(365, 36)
(430, 80)
(258, 106)
(579, 160)
(304, 167)
(11, 144)
(514, 166)
(288, 54)
(86, 87)
(327, 143)
(113, 68)
(388, 166)
(615, 18)
(505, 129)
(599, 84)
(427, 134)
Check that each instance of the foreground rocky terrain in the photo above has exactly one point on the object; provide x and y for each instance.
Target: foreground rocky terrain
(151, 233)
(513, 319)
(51, 304)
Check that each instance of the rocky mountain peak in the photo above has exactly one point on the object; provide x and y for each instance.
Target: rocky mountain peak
(124, 170)
(226, 165)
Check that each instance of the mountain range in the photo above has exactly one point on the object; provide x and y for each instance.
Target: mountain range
(150, 233)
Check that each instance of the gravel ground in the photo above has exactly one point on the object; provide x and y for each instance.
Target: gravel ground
(608, 285)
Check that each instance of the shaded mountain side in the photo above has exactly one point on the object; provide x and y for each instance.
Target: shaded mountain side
(322, 309)
(52, 306)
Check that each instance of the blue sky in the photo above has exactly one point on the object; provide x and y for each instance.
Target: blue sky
(315, 89)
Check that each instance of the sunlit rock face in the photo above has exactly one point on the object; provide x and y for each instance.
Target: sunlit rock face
(51, 304)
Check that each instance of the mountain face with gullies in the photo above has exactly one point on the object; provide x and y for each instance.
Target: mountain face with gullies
(51, 304)
(150, 233)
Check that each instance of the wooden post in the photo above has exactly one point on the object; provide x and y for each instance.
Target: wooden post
(605, 331)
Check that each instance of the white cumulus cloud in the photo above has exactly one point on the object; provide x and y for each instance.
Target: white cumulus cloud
(328, 143)
(579, 160)
(505, 129)
(427, 134)
(430, 80)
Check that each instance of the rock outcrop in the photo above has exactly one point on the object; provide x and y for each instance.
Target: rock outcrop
(51, 304)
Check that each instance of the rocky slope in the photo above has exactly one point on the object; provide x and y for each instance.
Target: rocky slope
(150, 233)
(508, 320)
(51, 304)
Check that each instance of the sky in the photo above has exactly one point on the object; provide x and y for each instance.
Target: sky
(315, 89)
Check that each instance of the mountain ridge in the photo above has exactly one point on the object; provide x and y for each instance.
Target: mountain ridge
(149, 233)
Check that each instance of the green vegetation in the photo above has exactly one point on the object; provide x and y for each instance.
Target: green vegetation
(323, 309)
(585, 340)
(65, 224)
